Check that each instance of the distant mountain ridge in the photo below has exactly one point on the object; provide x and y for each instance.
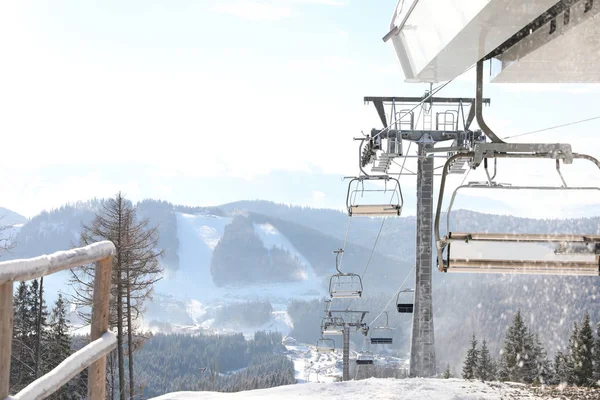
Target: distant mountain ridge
(9, 217)
(463, 303)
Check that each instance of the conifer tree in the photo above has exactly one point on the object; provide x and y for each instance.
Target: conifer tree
(596, 372)
(471, 361)
(38, 316)
(514, 350)
(484, 366)
(562, 373)
(573, 362)
(585, 345)
(446, 374)
(540, 371)
(22, 353)
(59, 346)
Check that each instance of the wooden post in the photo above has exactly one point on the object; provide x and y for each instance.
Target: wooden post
(100, 313)
(6, 332)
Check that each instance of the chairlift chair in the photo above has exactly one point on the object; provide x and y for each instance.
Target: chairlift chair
(325, 345)
(382, 334)
(404, 308)
(547, 254)
(364, 358)
(332, 326)
(344, 285)
(391, 206)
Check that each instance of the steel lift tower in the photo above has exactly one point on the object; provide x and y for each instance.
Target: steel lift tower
(525, 41)
(339, 325)
(443, 120)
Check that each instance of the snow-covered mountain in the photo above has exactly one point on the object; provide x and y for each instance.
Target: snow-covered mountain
(192, 286)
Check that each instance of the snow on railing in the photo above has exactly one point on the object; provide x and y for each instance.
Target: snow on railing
(94, 354)
(66, 370)
(31, 268)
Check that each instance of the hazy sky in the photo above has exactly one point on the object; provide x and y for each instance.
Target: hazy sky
(205, 102)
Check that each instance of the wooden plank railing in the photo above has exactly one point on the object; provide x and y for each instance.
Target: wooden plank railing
(102, 340)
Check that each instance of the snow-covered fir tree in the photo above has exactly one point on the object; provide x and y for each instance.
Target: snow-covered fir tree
(596, 372)
(59, 347)
(471, 361)
(523, 357)
(446, 374)
(562, 371)
(585, 346)
(484, 369)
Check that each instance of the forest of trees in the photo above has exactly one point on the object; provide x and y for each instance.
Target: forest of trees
(226, 363)
(240, 257)
(164, 363)
(524, 359)
(41, 341)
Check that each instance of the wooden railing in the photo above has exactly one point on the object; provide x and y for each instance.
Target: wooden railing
(102, 340)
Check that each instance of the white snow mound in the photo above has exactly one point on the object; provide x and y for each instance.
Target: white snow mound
(373, 388)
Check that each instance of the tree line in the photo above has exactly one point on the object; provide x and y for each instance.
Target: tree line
(224, 363)
(41, 341)
(524, 359)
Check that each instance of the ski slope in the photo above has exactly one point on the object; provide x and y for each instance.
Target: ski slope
(198, 235)
(373, 388)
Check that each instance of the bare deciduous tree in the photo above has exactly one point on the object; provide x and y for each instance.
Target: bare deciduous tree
(135, 270)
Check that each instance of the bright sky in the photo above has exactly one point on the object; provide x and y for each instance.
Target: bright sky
(206, 102)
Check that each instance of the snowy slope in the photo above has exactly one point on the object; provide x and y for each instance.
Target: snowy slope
(380, 389)
(198, 236)
(193, 286)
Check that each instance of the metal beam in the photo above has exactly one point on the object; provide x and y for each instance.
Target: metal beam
(417, 135)
(380, 110)
(402, 99)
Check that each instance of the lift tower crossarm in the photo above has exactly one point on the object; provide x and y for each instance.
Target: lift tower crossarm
(404, 99)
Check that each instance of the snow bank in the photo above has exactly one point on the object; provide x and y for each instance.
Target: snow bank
(30, 268)
(380, 389)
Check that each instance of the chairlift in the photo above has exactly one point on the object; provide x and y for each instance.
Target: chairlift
(364, 358)
(325, 345)
(404, 308)
(382, 334)
(332, 326)
(344, 285)
(390, 207)
(547, 254)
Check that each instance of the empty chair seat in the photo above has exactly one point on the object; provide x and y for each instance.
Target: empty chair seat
(325, 345)
(364, 358)
(375, 210)
(381, 340)
(405, 308)
(376, 200)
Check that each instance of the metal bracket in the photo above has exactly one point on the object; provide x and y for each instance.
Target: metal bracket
(558, 151)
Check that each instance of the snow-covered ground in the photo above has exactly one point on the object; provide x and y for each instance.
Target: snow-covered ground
(380, 389)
